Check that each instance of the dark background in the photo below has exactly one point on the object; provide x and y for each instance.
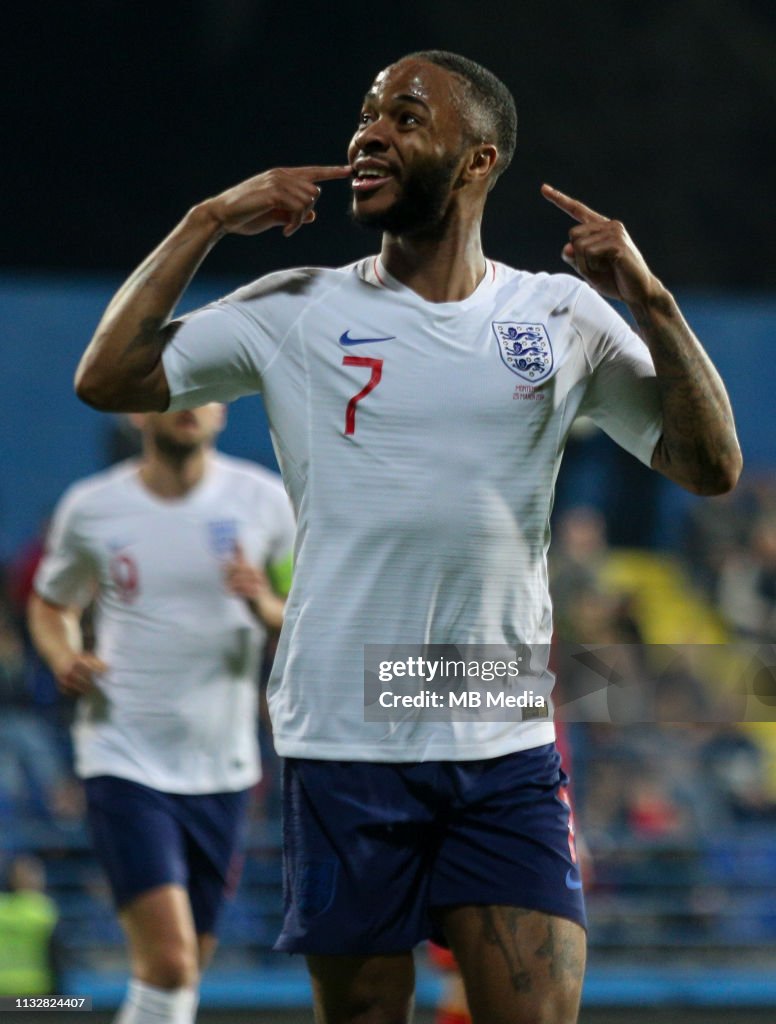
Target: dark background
(122, 113)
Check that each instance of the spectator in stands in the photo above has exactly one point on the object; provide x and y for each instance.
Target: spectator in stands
(578, 553)
(585, 611)
(715, 531)
(718, 532)
(34, 778)
(652, 812)
(28, 918)
(747, 584)
(734, 766)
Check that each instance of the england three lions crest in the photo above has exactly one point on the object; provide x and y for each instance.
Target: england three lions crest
(526, 349)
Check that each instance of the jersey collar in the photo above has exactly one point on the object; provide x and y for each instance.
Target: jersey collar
(373, 271)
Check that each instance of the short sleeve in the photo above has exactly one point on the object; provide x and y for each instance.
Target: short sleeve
(622, 395)
(211, 357)
(67, 574)
(220, 352)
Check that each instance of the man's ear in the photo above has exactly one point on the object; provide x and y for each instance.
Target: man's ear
(481, 163)
(137, 419)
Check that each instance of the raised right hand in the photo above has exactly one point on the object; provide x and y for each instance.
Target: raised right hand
(75, 672)
(283, 197)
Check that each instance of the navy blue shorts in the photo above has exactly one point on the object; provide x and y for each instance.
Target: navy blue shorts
(144, 838)
(372, 849)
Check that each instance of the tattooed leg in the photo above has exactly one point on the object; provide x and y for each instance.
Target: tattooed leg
(519, 966)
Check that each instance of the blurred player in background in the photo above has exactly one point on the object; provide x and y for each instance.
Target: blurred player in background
(188, 553)
(420, 400)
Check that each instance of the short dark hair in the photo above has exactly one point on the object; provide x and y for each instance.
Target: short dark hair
(492, 114)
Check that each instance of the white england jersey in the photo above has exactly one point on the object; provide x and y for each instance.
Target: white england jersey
(419, 443)
(177, 708)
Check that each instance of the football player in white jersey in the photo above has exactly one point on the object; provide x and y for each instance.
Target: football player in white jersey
(178, 548)
(419, 401)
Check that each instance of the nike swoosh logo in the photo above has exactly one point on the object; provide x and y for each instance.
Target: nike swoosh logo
(571, 882)
(345, 339)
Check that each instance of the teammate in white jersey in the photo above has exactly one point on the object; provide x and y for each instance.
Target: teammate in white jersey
(178, 548)
(419, 402)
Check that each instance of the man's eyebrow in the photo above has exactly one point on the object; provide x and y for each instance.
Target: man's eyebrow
(402, 97)
(406, 97)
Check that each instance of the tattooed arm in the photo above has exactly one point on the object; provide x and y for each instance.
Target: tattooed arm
(121, 369)
(698, 449)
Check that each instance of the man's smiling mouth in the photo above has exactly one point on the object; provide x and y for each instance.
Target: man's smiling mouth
(369, 175)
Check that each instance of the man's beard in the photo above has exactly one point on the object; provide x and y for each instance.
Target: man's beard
(421, 206)
(174, 451)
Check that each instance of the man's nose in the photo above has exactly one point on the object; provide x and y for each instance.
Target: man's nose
(372, 136)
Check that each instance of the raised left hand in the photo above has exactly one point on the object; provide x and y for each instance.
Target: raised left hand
(603, 253)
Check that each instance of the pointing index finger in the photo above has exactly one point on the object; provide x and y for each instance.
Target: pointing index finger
(321, 173)
(572, 207)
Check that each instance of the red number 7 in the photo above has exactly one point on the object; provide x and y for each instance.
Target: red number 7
(371, 384)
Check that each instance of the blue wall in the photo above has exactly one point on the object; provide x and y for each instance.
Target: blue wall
(49, 438)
